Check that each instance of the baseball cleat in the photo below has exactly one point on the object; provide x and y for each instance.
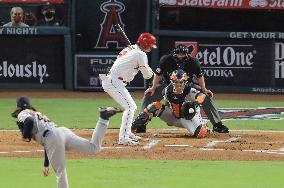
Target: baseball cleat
(135, 137)
(128, 142)
(107, 112)
(220, 128)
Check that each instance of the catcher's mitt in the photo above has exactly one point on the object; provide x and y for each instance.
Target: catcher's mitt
(188, 109)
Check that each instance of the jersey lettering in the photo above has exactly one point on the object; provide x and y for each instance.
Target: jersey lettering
(43, 118)
(124, 52)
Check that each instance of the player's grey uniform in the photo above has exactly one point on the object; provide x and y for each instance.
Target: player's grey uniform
(58, 139)
(191, 125)
(208, 106)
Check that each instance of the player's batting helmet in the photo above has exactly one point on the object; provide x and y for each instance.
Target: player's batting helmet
(147, 40)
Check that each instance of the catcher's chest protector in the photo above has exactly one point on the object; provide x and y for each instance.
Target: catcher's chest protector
(176, 100)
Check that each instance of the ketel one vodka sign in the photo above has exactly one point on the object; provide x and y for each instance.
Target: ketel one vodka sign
(226, 60)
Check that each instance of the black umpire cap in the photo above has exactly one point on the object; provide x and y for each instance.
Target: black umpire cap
(23, 102)
(182, 49)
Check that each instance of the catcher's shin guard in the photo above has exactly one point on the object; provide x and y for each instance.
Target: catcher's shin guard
(200, 131)
(140, 122)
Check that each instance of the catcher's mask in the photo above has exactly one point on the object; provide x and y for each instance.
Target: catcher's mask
(179, 78)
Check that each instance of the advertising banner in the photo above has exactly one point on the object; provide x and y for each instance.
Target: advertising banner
(38, 61)
(252, 65)
(95, 25)
(89, 66)
(227, 4)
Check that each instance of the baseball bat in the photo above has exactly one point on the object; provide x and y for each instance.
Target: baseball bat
(124, 36)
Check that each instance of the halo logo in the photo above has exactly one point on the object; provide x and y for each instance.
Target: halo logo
(112, 10)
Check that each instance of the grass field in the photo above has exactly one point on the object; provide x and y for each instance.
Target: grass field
(82, 113)
(144, 173)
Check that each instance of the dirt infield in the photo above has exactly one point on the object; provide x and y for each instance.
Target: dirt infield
(136, 95)
(160, 144)
(167, 145)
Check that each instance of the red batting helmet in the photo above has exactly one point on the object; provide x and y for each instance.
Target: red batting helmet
(147, 40)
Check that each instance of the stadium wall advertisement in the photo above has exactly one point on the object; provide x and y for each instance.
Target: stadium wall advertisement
(239, 65)
(95, 25)
(89, 66)
(228, 4)
(98, 45)
(32, 60)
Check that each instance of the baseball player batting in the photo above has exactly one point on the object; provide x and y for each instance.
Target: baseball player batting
(129, 61)
(35, 125)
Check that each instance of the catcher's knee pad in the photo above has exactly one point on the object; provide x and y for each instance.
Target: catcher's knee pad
(154, 109)
(140, 122)
(201, 131)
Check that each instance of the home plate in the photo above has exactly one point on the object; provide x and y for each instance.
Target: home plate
(184, 145)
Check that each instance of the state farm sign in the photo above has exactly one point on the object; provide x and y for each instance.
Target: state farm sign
(243, 4)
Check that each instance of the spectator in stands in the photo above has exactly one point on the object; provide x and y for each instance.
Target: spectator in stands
(29, 18)
(16, 14)
(49, 18)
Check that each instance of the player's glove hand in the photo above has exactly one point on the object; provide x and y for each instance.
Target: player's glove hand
(188, 109)
(150, 90)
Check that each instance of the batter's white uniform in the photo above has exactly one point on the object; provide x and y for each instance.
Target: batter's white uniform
(129, 62)
(59, 139)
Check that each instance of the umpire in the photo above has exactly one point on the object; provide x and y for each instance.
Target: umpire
(180, 58)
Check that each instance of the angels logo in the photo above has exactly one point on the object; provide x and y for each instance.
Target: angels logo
(261, 113)
(260, 3)
(112, 10)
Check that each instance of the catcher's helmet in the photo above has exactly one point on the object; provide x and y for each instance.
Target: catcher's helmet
(179, 78)
(23, 102)
(147, 40)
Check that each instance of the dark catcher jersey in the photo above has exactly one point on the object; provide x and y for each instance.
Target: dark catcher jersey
(169, 63)
(176, 100)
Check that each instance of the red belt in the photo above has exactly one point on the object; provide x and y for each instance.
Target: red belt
(120, 78)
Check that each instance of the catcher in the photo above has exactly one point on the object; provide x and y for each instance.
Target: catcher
(180, 109)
